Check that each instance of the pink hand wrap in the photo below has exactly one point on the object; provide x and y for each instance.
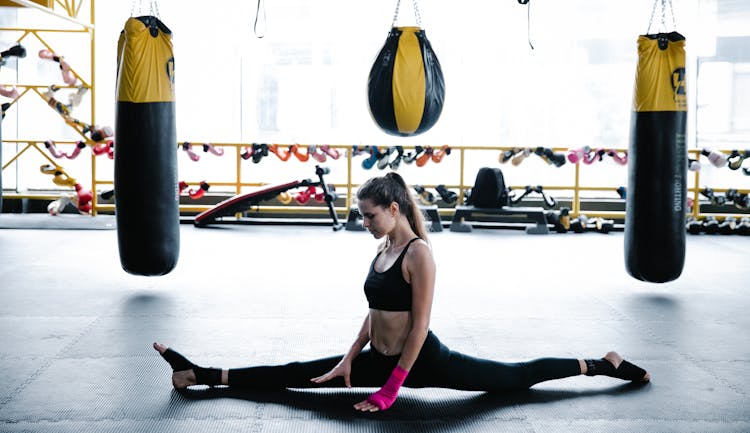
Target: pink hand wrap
(385, 397)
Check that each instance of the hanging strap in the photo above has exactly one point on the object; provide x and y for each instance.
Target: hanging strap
(153, 8)
(663, 15)
(528, 20)
(260, 34)
(417, 16)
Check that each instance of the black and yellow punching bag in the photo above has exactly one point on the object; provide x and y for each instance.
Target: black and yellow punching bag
(145, 183)
(405, 88)
(657, 164)
(1, 165)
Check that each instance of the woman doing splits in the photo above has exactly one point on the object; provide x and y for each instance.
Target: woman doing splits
(403, 351)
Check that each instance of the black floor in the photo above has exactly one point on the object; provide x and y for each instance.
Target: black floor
(76, 331)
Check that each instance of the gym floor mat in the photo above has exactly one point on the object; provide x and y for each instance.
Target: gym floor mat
(76, 332)
(40, 221)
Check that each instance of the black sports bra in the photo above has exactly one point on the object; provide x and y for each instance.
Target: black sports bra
(388, 290)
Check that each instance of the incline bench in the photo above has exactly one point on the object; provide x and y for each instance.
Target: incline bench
(522, 214)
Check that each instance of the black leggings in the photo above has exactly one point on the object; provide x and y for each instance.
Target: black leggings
(436, 366)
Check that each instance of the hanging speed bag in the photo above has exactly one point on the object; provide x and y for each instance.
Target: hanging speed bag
(655, 209)
(405, 88)
(146, 194)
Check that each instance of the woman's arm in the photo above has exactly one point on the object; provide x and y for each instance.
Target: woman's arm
(363, 337)
(344, 367)
(421, 268)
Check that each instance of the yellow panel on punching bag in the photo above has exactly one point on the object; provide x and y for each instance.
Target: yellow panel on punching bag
(408, 81)
(660, 78)
(151, 78)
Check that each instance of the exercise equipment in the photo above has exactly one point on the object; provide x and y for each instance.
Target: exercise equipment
(710, 225)
(370, 161)
(283, 155)
(448, 196)
(94, 132)
(319, 156)
(383, 158)
(727, 226)
(284, 198)
(396, 163)
(550, 157)
(303, 157)
(75, 98)
(743, 227)
(578, 225)
(67, 74)
(507, 155)
(15, 51)
(405, 87)
(146, 195)
(242, 202)
(521, 156)
(52, 148)
(330, 151)
(602, 225)
(197, 193)
(9, 92)
(657, 168)
(260, 151)
(107, 148)
(409, 157)
(619, 157)
(439, 154)
(694, 226)
(716, 158)
(715, 199)
(549, 201)
(304, 196)
(736, 158)
(425, 197)
(208, 147)
(425, 156)
(188, 148)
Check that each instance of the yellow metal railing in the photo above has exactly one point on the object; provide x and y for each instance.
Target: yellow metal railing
(70, 12)
(237, 185)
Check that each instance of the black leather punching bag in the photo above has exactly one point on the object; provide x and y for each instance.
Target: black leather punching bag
(657, 165)
(146, 192)
(1, 165)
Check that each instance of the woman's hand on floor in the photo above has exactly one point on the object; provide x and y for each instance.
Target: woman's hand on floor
(366, 406)
(343, 368)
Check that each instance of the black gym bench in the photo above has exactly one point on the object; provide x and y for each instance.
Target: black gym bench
(522, 214)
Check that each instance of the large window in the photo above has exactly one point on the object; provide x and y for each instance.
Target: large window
(305, 80)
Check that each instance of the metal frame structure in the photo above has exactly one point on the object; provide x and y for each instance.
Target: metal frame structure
(71, 10)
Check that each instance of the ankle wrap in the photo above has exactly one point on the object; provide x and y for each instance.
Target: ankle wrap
(207, 376)
(596, 367)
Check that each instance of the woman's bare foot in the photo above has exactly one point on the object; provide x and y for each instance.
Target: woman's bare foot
(180, 379)
(616, 360)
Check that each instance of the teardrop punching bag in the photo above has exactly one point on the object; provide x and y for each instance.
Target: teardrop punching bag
(655, 209)
(405, 88)
(146, 194)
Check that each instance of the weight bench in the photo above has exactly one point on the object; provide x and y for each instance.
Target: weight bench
(353, 221)
(523, 214)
